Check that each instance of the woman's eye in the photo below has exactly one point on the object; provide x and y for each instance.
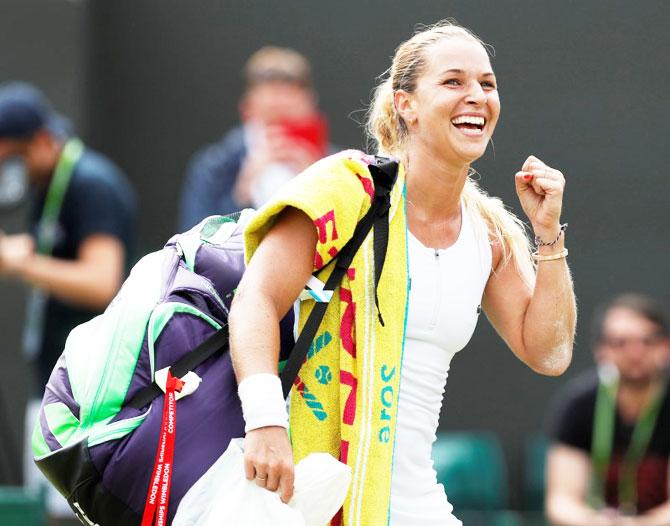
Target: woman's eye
(452, 82)
(488, 84)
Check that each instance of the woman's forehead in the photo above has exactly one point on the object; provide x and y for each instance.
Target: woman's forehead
(457, 53)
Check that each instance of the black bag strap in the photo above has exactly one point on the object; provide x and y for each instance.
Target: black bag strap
(384, 173)
(208, 348)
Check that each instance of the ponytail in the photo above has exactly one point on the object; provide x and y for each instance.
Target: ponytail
(504, 227)
(384, 123)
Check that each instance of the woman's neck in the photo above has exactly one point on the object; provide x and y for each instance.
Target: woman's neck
(434, 185)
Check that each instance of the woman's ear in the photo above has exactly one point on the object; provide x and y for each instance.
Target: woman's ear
(404, 105)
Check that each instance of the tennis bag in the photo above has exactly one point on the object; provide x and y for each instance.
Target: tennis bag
(104, 410)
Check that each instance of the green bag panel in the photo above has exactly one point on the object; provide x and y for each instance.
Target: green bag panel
(39, 445)
(62, 423)
(99, 385)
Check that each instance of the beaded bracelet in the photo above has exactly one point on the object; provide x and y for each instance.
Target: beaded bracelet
(551, 257)
(540, 243)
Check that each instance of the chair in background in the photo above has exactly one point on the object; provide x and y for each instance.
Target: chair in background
(490, 518)
(534, 462)
(21, 507)
(472, 468)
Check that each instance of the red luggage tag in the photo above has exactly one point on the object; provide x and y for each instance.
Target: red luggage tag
(158, 495)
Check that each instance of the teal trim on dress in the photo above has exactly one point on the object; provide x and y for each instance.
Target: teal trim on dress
(404, 339)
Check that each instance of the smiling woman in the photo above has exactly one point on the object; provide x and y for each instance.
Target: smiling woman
(459, 248)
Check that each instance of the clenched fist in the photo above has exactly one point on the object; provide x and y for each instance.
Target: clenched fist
(540, 190)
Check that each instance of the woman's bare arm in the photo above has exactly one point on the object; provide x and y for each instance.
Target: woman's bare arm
(536, 317)
(275, 276)
(537, 321)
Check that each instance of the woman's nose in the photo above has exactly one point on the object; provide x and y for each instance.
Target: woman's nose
(476, 94)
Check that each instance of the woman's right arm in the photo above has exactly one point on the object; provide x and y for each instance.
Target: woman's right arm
(275, 276)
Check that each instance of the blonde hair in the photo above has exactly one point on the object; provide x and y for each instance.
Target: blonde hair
(388, 129)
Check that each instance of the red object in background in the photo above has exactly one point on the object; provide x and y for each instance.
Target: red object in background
(312, 129)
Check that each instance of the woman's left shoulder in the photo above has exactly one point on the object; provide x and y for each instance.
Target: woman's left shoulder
(348, 171)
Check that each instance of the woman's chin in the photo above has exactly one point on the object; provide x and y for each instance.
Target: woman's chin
(471, 153)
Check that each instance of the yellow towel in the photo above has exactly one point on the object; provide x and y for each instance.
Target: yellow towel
(345, 399)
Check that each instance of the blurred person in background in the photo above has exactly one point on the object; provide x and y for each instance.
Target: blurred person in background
(608, 464)
(282, 133)
(77, 249)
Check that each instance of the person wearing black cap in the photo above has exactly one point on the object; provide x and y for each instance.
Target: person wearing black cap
(282, 133)
(81, 225)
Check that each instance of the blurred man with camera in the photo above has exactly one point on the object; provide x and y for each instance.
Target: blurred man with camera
(282, 133)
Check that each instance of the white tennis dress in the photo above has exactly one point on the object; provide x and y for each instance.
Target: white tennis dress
(444, 302)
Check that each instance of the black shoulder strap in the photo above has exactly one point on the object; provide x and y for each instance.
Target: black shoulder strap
(208, 348)
(384, 173)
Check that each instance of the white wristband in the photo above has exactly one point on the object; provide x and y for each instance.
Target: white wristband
(263, 402)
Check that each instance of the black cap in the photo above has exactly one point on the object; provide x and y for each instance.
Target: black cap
(24, 110)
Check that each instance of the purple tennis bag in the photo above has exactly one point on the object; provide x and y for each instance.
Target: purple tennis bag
(96, 446)
(102, 412)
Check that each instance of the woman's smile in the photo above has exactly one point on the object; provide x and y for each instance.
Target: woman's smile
(470, 124)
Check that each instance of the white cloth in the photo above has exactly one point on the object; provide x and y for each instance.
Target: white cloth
(444, 303)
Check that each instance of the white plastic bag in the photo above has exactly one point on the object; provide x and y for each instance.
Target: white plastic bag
(223, 495)
(321, 485)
